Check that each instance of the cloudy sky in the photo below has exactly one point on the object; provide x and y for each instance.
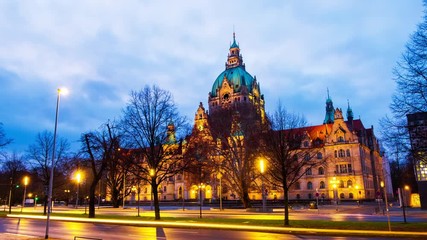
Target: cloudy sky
(102, 50)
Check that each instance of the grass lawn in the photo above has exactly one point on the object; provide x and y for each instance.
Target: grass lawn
(320, 224)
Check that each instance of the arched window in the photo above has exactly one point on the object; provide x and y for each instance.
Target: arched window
(306, 157)
(342, 195)
(341, 183)
(310, 196)
(297, 186)
(309, 185)
(349, 183)
(321, 171)
(298, 196)
(341, 153)
(308, 171)
(350, 195)
(305, 143)
(319, 155)
(335, 153)
(322, 184)
(340, 139)
(348, 152)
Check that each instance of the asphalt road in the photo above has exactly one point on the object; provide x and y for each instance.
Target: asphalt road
(69, 230)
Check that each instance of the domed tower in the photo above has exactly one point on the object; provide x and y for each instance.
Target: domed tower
(235, 87)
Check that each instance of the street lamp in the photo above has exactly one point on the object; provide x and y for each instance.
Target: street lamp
(334, 182)
(26, 179)
(78, 178)
(49, 198)
(201, 187)
(219, 176)
(382, 184)
(358, 195)
(406, 187)
(262, 170)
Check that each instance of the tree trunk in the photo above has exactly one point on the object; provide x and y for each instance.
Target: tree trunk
(286, 200)
(45, 204)
(92, 200)
(156, 200)
(115, 198)
(245, 199)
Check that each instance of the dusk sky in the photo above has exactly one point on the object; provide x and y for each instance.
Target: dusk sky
(102, 50)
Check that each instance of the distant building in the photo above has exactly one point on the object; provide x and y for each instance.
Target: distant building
(417, 127)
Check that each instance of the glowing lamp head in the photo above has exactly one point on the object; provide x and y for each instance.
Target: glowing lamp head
(63, 91)
(26, 180)
(78, 177)
(382, 184)
(261, 166)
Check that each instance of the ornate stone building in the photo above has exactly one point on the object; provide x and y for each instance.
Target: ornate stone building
(353, 168)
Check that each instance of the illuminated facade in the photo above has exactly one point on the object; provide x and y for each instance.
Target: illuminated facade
(353, 168)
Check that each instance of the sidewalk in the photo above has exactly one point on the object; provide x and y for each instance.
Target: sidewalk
(269, 229)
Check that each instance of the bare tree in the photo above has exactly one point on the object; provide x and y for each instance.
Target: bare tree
(149, 124)
(39, 154)
(13, 167)
(287, 159)
(3, 139)
(411, 75)
(100, 147)
(238, 131)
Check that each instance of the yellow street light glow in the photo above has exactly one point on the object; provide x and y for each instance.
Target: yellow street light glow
(261, 166)
(152, 172)
(26, 180)
(406, 187)
(78, 176)
(63, 91)
(382, 184)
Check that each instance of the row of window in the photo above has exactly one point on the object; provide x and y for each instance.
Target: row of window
(320, 171)
(341, 153)
(343, 168)
(310, 196)
(322, 185)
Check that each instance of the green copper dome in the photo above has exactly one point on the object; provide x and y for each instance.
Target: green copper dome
(237, 77)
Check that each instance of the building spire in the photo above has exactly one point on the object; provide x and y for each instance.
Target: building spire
(350, 114)
(329, 116)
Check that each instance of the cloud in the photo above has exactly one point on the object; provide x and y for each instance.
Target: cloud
(102, 50)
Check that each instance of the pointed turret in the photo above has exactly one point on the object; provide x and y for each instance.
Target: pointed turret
(171, 138)
(350, 115)
(329, 116)
(234, 58)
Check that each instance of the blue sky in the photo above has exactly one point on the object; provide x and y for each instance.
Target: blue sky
(102, 50)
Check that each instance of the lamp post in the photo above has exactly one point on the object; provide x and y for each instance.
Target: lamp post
(78, 180)
(262, 170)
(334, 182)
(219, 176)
(382, 183)
(406, 188)
(201, 187)
(25, 192)
(358, 195)
(49, 198)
